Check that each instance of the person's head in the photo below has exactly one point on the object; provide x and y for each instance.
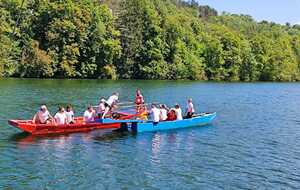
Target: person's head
(90, 108)
(61, 109)
(153, 105)
(144, 108)
(102, 100)
(43, 108)
(138, 92)
(116, 93)
(177, 106)
(162, 106)
(69, 108)
(190, 100)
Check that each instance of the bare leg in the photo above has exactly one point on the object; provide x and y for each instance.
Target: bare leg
(105, 112)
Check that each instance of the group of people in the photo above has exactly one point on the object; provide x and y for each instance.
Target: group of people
(104, 107)
(163, 113)
(158, 112)
(62, 116)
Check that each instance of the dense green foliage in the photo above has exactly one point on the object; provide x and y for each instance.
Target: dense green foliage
(142, 39)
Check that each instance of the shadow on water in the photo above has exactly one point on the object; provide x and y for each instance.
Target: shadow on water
(24, 138)
(114, 135)
(100, 135)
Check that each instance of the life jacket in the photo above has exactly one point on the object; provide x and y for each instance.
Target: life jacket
(138, 99)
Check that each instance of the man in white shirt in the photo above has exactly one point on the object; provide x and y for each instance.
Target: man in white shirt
(190, 109)
(178, 112)
(155, 114)
(60, 117)
(110, 103)
(42, 116)
(89, 115)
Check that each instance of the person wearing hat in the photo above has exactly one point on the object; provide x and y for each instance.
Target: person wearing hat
(42, 116)
(101, 107)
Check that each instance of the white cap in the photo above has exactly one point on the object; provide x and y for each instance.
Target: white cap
(43, 107)
(102, 100)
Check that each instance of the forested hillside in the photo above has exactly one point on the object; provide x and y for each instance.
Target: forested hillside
(142, 39)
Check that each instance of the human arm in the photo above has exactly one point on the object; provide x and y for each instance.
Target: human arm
(34, 118)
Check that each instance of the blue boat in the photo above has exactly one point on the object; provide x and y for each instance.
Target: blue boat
(199, 120)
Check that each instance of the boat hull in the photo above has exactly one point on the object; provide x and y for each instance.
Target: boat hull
(201, 120)
(43, 129)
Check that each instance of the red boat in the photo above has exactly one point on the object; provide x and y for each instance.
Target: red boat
(78, 126)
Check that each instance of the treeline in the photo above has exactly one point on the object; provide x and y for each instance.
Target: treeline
(142, 39)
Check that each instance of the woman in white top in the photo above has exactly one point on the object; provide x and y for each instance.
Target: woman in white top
(70, 115)
(60, 117)
(89, 115)
(163, 112)
(178, 112)
(42, 116)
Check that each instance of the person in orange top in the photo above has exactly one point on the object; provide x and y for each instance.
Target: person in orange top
(143, 113)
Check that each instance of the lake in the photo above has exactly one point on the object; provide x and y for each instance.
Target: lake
(254, 143)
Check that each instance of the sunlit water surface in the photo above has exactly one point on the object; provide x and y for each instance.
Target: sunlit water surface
(253, 144)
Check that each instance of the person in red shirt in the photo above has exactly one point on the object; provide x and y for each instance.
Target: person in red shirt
(171, 115)
(139, 100)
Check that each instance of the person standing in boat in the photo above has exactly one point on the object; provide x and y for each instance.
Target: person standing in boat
(110, 103)
(89, 115)
(42, 116)
(178, 112)
(190, 111)
(155, 114)
(60, 117)
(70, 115)
(139, 100)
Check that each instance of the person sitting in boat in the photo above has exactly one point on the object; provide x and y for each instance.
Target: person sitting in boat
(143, 113)
(171, 115)
(155, 114)
(178, 112)
(101, 107)
(190, 109)
(89, 115)
(70, 115)
(42, 116)
(163, 112)
(110, 103)
(60, 117)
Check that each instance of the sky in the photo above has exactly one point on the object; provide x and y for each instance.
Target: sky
(279, 11)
